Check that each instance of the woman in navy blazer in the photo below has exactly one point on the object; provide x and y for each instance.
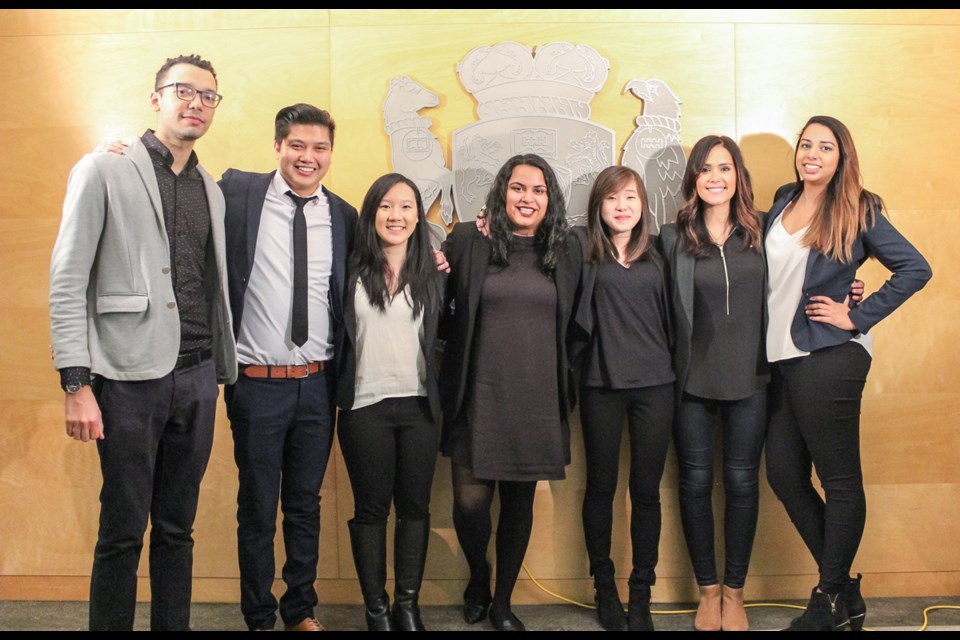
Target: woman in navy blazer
(388, 395)
(819, 231)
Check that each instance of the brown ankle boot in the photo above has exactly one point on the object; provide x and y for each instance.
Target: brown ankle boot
(733, 615)
(708, 611)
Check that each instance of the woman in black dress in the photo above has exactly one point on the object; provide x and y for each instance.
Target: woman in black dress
(505, 374)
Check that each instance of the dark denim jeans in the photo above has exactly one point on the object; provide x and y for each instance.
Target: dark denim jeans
(282, 434)
(744, 424)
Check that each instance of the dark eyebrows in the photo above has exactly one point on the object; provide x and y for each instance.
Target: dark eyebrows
(523, 185)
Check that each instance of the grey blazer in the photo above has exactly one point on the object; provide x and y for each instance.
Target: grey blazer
(112, 304)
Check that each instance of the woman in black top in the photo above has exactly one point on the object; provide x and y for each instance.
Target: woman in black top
(718, 279)
(504, 379)
(625, 372)
(388, 396)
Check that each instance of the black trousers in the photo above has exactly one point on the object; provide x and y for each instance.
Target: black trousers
(282, 434)
(744, 424)
(649, 415)
(390, 449)
(157, 440)
(815, 423)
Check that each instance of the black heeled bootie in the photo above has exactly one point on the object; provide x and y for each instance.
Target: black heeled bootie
(638, 615)
(609, 608)
(856, 607)
(825, 612)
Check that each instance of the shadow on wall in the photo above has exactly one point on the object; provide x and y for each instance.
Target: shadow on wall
(769, 158)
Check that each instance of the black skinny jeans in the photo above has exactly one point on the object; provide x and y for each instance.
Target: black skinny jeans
(744, 427)
(649, 414)
(390, 450)
(815, 422)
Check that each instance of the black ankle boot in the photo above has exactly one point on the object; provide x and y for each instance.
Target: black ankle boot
(639, 617)
(609, 608)
(369, 544)
(856, 607)
(409, 555)
(825, 612)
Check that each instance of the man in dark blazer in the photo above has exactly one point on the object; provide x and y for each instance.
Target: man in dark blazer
(286, 307)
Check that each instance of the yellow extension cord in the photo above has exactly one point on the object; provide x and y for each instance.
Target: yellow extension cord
(662, 612)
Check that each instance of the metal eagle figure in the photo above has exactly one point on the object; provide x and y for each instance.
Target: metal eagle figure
(653, 149)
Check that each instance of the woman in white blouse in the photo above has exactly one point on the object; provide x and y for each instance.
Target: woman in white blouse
(389, 401)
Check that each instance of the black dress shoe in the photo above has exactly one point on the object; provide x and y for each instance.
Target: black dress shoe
(506, 621)
(474, 612)
(477, 598)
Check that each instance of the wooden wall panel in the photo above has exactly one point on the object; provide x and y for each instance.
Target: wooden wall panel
(76, 78)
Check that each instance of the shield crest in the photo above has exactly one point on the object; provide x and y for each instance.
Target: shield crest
(531, 103)
(577, 150)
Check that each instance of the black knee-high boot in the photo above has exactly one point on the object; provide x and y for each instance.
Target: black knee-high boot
(369, 544)
(409, 555)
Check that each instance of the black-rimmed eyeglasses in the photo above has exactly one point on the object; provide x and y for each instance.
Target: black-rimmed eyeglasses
(187, 93)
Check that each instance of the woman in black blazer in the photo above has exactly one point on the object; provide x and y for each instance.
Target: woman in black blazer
(505, 374)
(388, 395)
(623, 322)
(717, 278)
(819, 231)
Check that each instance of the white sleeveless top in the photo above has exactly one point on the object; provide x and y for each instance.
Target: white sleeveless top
(390, 362)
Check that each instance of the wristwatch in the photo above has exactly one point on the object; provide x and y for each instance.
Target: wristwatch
(75, 388)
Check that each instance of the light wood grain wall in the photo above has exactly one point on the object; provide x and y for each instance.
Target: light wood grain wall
(73, 78)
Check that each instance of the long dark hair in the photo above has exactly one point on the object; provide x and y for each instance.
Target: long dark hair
(611, 180)
(367, 261)
(549, 241)
(691, 228)
(847, 207)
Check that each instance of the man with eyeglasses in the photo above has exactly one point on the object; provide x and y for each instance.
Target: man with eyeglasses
(141, 335)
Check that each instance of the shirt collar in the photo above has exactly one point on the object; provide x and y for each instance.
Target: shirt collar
(281, 187)
(160, 152)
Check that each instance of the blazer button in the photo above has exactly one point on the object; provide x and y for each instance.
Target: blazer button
(171, 305)
(165, 270)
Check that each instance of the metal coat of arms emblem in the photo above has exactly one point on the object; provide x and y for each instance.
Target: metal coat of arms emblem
(534, 101)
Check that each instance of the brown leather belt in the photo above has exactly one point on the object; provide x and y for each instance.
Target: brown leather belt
(283, 371)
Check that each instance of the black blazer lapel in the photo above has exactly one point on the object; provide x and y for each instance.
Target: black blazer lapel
(480, 252)
(338, 233)
(686, 265)
(256, 195)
